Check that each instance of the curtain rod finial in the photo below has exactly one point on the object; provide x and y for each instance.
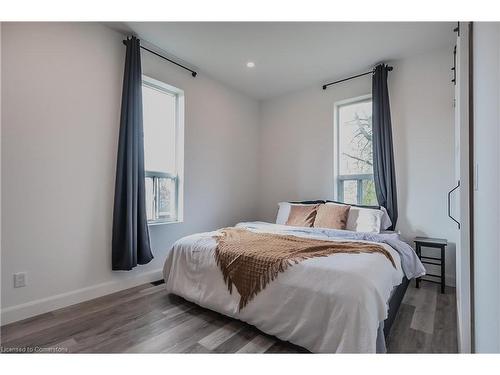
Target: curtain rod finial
(194, 74)
(324, 87)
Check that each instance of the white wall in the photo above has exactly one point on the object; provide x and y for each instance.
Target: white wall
(61, 103)
(61, 98)
(424, 145)
(486, 93)
(296, 154)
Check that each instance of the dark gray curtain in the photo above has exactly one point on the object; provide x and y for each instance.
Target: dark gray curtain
(130, 227)
(383, 154)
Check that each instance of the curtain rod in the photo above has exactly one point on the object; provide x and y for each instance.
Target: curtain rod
(193, 73)
(389, 68)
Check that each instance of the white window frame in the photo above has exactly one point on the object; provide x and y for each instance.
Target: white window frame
(179, 147)
(336, 139)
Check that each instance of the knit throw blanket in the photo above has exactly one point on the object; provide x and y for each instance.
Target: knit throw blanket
(250, 260)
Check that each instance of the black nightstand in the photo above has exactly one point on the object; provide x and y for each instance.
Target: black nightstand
(437, 243)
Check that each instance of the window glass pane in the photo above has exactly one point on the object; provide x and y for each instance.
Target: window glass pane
(369, 196)
(355, 153)
(159, 118)
(150, 212)
(162, 157)
(355, 138)
(350, 191)
(166, 198)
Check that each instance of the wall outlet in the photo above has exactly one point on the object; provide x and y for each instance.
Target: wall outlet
(19, 279)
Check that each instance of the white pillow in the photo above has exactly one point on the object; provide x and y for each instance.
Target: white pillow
(284, 211)
(386, 220)
(364, 219)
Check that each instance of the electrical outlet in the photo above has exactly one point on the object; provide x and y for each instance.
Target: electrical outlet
(19, 279)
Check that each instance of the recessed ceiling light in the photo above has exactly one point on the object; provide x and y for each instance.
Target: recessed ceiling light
(250, 64)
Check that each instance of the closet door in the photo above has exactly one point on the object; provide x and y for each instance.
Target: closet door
(459, 198)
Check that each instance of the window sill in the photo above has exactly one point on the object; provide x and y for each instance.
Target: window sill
(156, 223)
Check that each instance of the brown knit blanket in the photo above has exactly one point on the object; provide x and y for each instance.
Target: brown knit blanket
(250, 260)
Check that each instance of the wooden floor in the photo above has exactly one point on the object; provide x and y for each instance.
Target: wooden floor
(146, 319)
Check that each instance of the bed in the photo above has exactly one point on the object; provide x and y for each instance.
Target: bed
(343, 303)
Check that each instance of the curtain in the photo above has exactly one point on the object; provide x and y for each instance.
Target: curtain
(130, 243)
(383, 154)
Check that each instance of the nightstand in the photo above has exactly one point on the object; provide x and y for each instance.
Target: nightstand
(437, 243)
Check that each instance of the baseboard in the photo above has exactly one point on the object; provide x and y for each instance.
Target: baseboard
(44, 305)
(449, 280)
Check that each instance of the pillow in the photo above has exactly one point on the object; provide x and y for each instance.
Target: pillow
(283, 212)
(364, 219)
(284, 209)
(386, 220)
(302, 215)
(332, 216)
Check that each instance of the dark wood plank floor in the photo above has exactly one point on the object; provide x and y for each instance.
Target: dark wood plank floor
(146, 319)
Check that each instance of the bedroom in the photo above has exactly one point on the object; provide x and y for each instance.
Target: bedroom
(289, 135)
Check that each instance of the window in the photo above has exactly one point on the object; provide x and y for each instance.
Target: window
(163, 114)
(354, 154)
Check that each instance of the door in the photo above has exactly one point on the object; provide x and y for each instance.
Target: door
(461, 198)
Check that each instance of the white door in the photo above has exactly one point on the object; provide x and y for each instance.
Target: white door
(460, 198)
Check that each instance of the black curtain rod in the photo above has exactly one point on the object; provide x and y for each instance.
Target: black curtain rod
(389, 68)
(193, 73)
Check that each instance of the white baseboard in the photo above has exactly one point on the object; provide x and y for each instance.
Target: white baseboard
(450, 280)
(43, 305)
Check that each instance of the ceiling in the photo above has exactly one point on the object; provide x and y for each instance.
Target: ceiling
(289, 55)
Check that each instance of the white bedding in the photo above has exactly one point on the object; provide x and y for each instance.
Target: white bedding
(326, 305)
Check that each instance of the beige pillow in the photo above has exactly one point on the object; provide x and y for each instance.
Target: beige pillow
(302, 215)
(332, 216)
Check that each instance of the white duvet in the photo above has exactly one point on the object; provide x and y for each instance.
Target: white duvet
(326, 305)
